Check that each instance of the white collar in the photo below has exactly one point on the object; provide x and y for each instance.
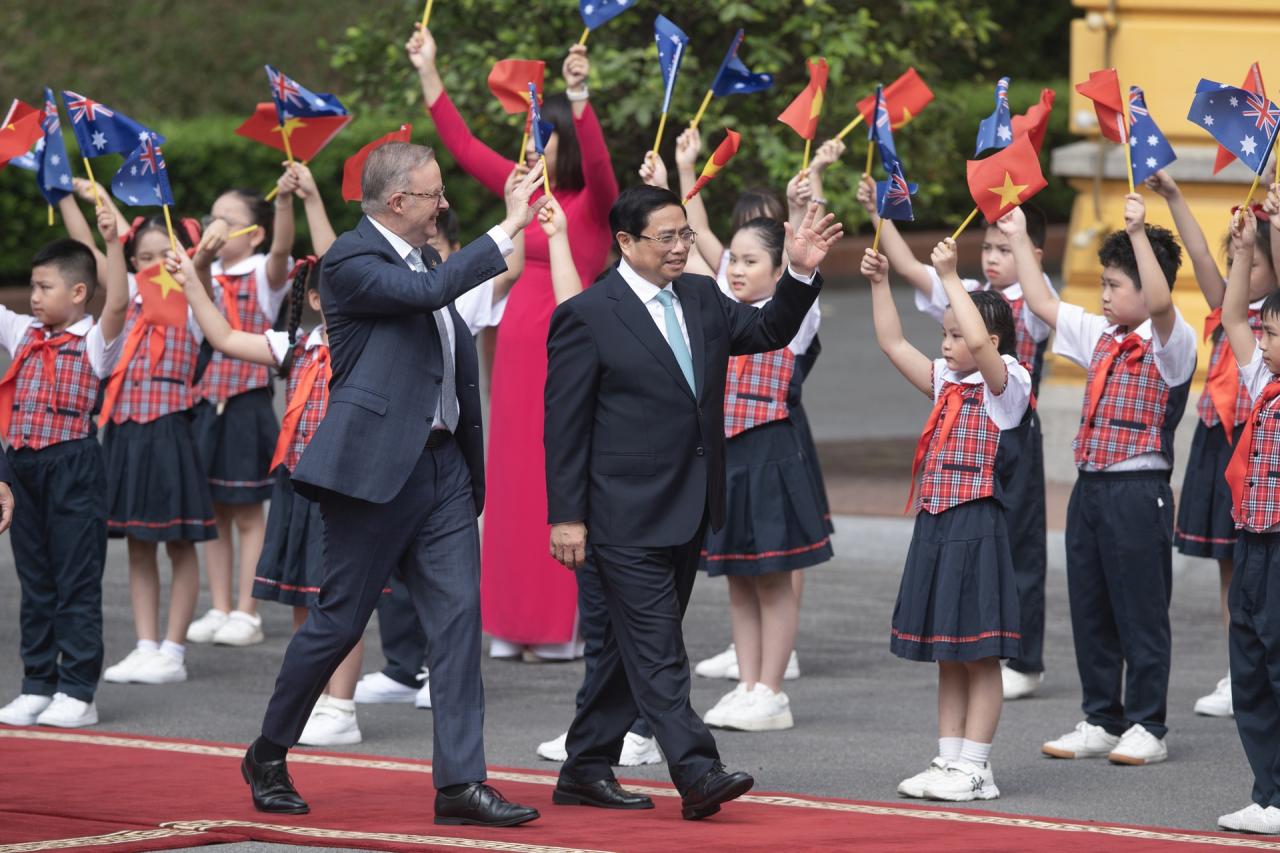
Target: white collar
(243, 267)
(397, 242)
(79, 328)
(1143, 330)
(1014, 291)
(974, 378)
(643, 288)
(316, 338)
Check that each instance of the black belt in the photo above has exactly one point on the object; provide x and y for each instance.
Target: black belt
(438, 437)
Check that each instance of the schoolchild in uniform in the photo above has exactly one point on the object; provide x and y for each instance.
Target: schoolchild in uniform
(1204, 527)
(48, 400)
(1022, 675)
(1139, 355)
(958, 601)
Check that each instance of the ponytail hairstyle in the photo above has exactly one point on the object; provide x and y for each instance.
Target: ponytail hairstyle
(305, 277)
(261, 212)
(997, 315)
(757, 203)
(187, 234)
(771, 235)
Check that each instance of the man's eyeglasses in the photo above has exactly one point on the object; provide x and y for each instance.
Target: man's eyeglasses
(666, 241)
(434, 194)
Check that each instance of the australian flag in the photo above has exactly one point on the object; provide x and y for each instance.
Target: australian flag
(671, 46)
(893, 196)
(881, 131)
(1243, 122)
(48, 159)
(295, 101)
(100, 130)
(596, 12)
(540, 129)
(996, 130)
(734, 78)
(1149, 151)
(143, 178)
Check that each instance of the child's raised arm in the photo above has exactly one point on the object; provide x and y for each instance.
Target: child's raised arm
(304, 186)
(1208, 276)
(282, 232)
(911, 363)
(565, 281)
(1272, 207)
(707, 245)
(1155, 287)
(114, 276)
(246, 346)
(976, 337)
(1235, 304)
(901, 258)
(78, 229)
(1042, 301)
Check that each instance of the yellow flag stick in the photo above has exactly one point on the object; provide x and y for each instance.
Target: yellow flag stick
(1252, 189)
(244, 230)
(168, 222)
(97, 200)
(804, 164)
(875, 244)
(50, 216)
(1128, 144)
(706, 101)
(284, 135)
(426, 14)
(662, 125)
(275, 191)
(524, 145)
(586, 31)
(546, 180)
(850, 126)
(965, 224)
(871, 147)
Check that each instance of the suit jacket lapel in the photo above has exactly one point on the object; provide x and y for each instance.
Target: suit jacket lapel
(691, 304)
(636, 317)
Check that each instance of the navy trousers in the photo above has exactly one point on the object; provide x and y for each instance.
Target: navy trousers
(404, 643)
(642, 666)
(428, 534)
(1254, 644)
(593, 624)
(1024, 493)
(59, 538)
(1119, 582)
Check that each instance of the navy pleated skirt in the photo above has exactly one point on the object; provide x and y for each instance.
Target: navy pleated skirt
(157, 489)
(1204, 527)
(292, 562)
(237, 446)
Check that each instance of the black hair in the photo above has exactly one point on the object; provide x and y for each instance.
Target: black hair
(306, 277)
(1271, 306)
(1117, 251)
(997, 315)
(74, 262)
(558, 112)
(1037, 224)
(261, 212)
(771, 233)
(1262, 242)
(449, 227)
(633, 207)
(757, 203)
(187, 233)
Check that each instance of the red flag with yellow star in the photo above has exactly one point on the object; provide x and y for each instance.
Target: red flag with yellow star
(719, 159)
(802, 113)
(509, 81)
(307, 136)
(1034, 123)
(163, 302)
(1006, 179)
(904, 98)
(19, 131)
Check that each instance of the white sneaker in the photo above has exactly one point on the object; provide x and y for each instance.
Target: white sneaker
(719, 666)
(716, 715)
(1267, 823)
(159, 668)
(638, 750)
(1019, 685)
(1138, 747)
(67, 712)
(422, 699)
(913, 786)
(503, 650)
(792, 672)
(377, 688)
(1217, 703)
(553, 750)
(1236, 819)
(203, 629)
(1084, 741)
(240, 629)
(24, 710)
(332, 723)
(765, 712)
(123, 672)
(961, 782)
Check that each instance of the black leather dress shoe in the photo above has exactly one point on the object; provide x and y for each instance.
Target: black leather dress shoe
(604, 794)
(272, 788)
(718, 786)
(480, 805)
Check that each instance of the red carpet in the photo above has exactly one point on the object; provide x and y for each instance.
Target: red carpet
(74, 790)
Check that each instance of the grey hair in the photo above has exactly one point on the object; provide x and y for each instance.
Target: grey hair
(386, 171)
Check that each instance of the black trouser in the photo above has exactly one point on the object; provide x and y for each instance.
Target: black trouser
(404, 643)
(59, 538)
(642, 665)
(1119, 581)
(1024, 494)
(593, 625)
(1254, 644)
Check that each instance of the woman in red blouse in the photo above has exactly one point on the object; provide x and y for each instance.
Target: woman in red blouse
(527, 598)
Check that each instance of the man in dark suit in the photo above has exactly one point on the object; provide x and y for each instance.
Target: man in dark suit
(397, 466)
(635, 455)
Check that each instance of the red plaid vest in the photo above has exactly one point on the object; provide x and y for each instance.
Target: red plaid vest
(961, 469)
(1029, 351)
(1137, 412)
(317, 401)
(756, 390)
(43, 416)
(225, 377)
(1257, 508)
(1221, 347)
(151, 391)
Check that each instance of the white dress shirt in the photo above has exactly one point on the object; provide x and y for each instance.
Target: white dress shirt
(102, 354)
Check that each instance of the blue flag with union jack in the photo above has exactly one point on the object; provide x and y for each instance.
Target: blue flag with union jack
(100, 130)
(143, 179)
(1243, 122)
(596, 12)
(48, 159)
(1149, 151)
(996, 130)
(539, 129)
(893, 196)
(671, 46)
(881, 130)
(296, 101)
(734, 78)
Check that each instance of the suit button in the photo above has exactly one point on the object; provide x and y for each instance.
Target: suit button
(700, 451)
(440, 381)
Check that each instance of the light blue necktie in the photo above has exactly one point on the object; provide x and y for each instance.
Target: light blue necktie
(675, 338)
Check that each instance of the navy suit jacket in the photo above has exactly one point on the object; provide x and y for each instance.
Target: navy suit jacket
(387, 365)
(631, 450)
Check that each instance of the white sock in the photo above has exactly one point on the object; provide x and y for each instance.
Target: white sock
(174, 650)
(974, 752)
(949, 747)
(148, 646)
(347, 705)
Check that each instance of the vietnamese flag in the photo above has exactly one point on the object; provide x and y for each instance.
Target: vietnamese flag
(20, 130)
(163, 302)
(1006, 179)
(1103, 88)
(1253, 83)
(719, 159)
(307, 136)
(801, 115)
(509, 81)
(353, 169)
(1034, 123)
(904, 98)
